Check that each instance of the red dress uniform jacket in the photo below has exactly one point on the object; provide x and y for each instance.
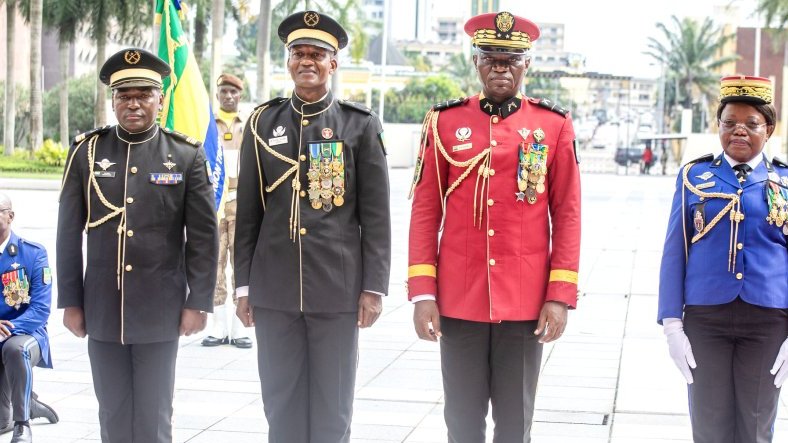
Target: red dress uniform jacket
(499, 257)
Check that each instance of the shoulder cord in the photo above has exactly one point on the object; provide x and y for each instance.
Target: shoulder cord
(736, 216)
(484, 170)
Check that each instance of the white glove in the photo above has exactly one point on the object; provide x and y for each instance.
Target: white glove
(781, 363)
(679, 346)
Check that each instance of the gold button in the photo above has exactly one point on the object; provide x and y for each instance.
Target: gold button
(739, 276)
(490, 202)
(492, 171)
(302, 231)
(740, 246)
(491, 232)
(130, 200)
(133, 169)
(302, 193)
(493, 143)
(492, 262)
(128, 268)
(739, 191)
(304, 122)
(130, 233)
(495, 119)
(302, 157)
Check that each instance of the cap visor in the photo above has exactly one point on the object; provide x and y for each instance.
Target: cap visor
(501, 50)
(312, 42)
(135, 83)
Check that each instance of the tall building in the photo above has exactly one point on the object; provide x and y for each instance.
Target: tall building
(484, 6)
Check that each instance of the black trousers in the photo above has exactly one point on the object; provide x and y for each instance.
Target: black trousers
(489, 363)
(307, 365)
(733, 398)
(134, 386)
(20, 354)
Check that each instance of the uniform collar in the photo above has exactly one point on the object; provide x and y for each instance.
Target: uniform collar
(311, 108)
(505, 109)
(11, 240)
(136, 137)
(722, 167)
(753, 163)
(5, 243)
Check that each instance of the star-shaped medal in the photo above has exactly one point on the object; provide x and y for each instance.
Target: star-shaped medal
(520, 196)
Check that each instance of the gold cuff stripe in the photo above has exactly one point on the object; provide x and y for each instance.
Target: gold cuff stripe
(127, 74)
(313, 33)
(563, 275)
(422, 271)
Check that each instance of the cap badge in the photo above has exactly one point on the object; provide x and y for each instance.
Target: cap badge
(463, 134)
(504, 22)
(104, 164)
(311, 18)
(132, 57)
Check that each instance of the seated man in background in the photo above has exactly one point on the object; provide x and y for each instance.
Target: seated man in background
(27, 289)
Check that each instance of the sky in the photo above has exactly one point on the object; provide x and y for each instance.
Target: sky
(612, 34)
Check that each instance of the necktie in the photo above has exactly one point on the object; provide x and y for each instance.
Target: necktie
(741, 171)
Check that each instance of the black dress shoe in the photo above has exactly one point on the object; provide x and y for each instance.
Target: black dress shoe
(22, 434)
(39, 409)
(213, 341)
(243, 342)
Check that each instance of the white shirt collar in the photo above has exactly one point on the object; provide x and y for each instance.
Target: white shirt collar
(4, 244)
(753, 163)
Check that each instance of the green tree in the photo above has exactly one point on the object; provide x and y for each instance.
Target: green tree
(691, 52)
(80, 96)
(65, 17)
(9, 121)
(411, 103)
(775, 12)
(462, 70)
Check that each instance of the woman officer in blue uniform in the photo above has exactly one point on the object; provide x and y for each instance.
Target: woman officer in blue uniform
(723, 290)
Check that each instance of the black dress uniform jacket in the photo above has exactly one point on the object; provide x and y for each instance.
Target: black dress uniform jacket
(151, 233)
(324, 261)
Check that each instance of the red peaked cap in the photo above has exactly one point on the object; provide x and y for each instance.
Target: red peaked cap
(502, 30)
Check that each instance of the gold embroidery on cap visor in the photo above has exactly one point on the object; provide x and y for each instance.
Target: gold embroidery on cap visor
(762, 92)
(488, 37)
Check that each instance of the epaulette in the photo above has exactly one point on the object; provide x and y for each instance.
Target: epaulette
(450, 103)
(87, 134)
(33, 244)
(356, 106)
(549, 104)
(190, 140)
(703, 158)
(777, 161)
(273, 101)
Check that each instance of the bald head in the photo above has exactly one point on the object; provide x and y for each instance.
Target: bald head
(5, 201)
(6, 216)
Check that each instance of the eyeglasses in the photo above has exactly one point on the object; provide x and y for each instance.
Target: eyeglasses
(5, 209)
(751, 127)
(515, 61)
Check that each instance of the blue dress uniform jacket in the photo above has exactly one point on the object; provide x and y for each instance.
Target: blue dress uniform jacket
(697, 273)
(30, 318)
(147, 204)
(292, 256)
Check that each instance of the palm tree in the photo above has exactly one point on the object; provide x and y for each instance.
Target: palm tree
(775, 11)
(264, 51)
(217, 32)
(461, 69)
(691, 52)
(10, 83)
(65, 17)
(36, 109)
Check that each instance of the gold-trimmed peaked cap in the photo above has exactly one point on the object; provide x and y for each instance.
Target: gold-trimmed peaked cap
(312, 28)
(134, 68)
(747, 89)
(501, 31)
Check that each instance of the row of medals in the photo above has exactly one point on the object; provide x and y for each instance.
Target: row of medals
(532, 174)
(326, 183)
(778, 208)
(15, 290)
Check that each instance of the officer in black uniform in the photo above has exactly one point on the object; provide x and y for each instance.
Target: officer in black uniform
(313, 238)
(143, 196)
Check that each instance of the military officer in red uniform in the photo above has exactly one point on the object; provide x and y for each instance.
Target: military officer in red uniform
(498, 173)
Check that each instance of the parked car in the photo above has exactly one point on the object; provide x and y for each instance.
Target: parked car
(633, 154)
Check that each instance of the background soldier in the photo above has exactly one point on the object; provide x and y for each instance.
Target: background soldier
(230, 126)
(143, 196)
(26, 282)
(500, 174)
(313, 242)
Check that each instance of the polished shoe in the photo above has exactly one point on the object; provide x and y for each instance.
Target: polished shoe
(39, 409)
(243, 342)
(22, 434)
(213, 341)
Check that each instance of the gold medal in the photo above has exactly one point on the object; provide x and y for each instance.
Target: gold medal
(316, 204)
(228, 135)
(522, 184)
(339, 200)
(541, 179)
(540, 188)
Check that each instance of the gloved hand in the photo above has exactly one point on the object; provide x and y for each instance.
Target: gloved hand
(781, 365)
(679, 346)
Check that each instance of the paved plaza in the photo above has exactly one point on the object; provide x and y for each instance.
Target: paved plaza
(609, 379)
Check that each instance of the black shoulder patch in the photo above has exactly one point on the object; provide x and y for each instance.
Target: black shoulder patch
(356, 106)
(190, 140)
(703, 159)
(777, 161)
(549, 104)
(450, 103)
(272, 102)
(99, 131)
